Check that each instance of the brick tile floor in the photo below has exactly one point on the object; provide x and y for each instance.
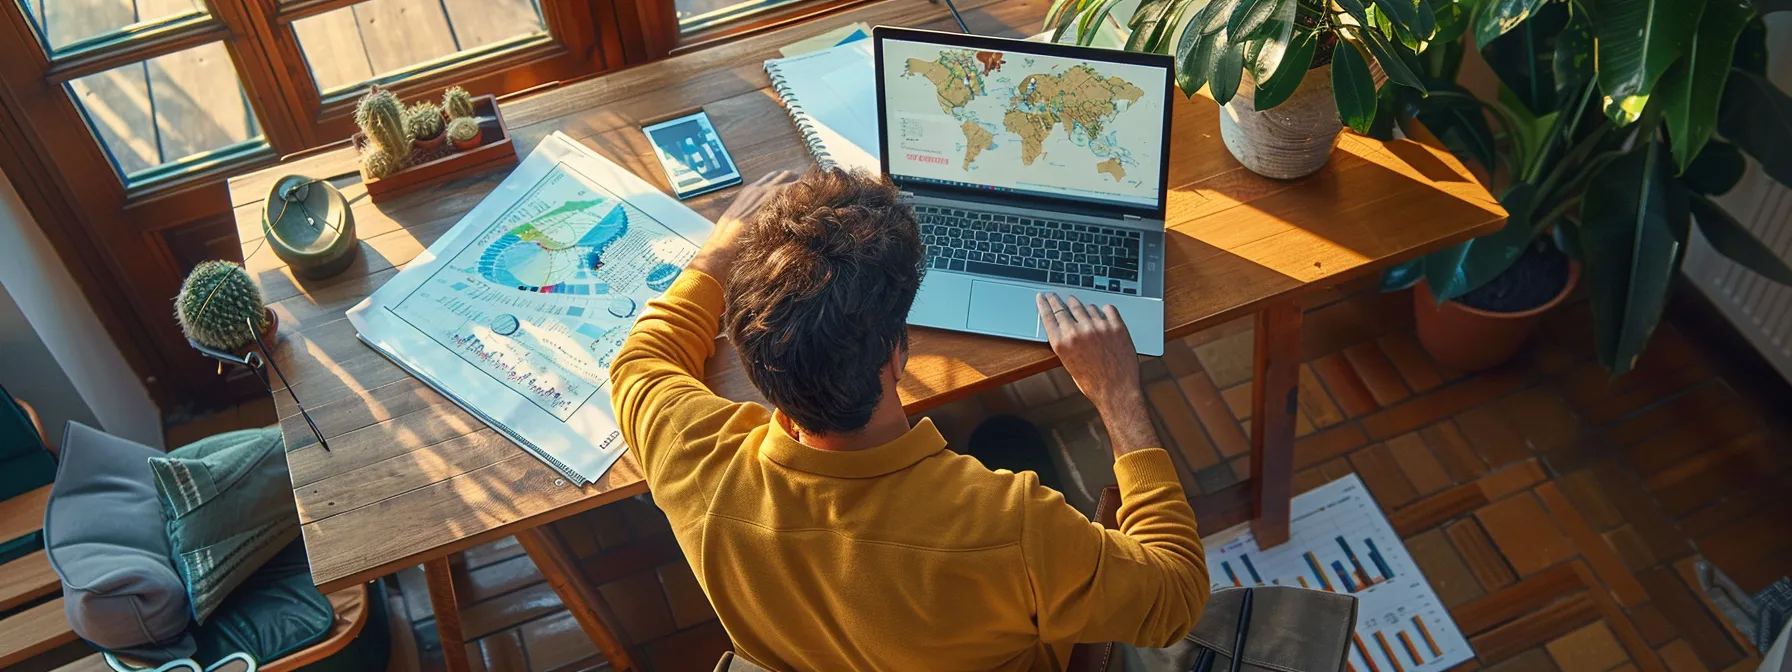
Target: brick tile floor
(1557, 511)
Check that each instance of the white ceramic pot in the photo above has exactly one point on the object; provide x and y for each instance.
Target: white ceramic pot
(1290, 140)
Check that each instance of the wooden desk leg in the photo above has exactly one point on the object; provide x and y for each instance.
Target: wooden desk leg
(561, 570)
(447, 608)
(1274, 395)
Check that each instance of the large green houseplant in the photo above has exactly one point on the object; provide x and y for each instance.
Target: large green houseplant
(1621, 119)
(1256, 55)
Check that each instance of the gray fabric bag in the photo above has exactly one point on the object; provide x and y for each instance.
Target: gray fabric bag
(1289, 630)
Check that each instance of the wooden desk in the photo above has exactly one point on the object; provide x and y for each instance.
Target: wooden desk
(412, 479)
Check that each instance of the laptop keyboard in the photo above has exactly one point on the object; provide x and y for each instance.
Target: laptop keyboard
(1029, 248)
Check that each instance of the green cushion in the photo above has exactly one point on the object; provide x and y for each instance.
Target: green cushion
(274, 612)
(25, 462)
(229, 507)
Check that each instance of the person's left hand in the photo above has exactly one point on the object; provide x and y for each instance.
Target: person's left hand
(717, 255)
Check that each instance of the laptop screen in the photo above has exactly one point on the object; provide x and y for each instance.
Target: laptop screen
(1085, 128)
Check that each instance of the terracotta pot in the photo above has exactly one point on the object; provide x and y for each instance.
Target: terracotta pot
(1470, 339)
(1290, 140)
(471, 143)
(431, 143)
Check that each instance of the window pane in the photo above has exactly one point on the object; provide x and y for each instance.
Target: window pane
(167, 108)
(694, 15)
(64, 22)
(373, 39)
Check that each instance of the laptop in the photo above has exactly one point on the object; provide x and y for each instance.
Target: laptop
(1032, 167)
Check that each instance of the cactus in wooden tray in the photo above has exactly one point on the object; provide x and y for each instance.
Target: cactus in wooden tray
(378, 163)
(216, 303)
(424, 121)
(382, 119)
(457, 103)
(463, 129)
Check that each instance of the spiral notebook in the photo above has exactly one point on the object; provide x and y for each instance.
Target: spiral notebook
(831, 96)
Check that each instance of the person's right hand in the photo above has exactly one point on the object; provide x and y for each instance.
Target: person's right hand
(717, 255)
(1097, 352)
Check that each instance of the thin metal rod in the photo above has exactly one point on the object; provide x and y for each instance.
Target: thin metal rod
(955, 17)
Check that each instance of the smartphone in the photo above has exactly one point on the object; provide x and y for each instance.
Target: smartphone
(692, 154)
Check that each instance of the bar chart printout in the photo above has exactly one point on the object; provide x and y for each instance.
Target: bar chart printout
(1341, 542)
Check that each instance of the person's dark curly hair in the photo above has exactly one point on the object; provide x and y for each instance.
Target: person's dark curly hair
(819, 296)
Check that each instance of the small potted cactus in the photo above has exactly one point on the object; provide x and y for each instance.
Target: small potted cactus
(424, 121)
(216, 304)
(382, 120)
(464, 133)
(457, 103)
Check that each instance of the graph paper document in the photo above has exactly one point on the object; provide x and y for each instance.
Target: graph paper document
(1340, 541)
(517, 311)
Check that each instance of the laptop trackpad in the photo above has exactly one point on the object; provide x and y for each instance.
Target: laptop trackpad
(997, 308)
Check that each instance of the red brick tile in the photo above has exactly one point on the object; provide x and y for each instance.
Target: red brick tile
(1238, 399)
(1708, 477)
(1679, 657)
(1211, 409)
(1315, 402)
(1416, 460)
(1453, 451)
(1303, 424)
(580, 541)
(1384, 477)
(555, 641)
(1036, 390)
(1352, 395)
(1525, 534)
(1662, 451)
(530, 602)
(1229, 360)
(1494, 438)
(1331, 443)
(1443, 568)
(1582, 488)
(1654, 627)
(1543, 418)
(1191, 441)
(1590, 648)
(1629, 546)
(494, 580)
(1664, 387)
(1430, 511)
(1511, 479)
(1307, 479)
(1533, 660)
(1664, 540)
(502, 651)
(1604, 562)
(1377, 373)
(497, 551)
(689, 605)
(1180, 359)
(1479, 553)
(1410, 360)
(1535, 628)
(1444, 402)
(695, 649)
(1241, 466)
(1516, 599)
(1714, 401)
(640, 607)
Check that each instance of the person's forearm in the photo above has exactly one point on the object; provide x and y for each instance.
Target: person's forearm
(1128, 423)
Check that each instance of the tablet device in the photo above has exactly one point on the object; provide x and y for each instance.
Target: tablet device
(692, 154)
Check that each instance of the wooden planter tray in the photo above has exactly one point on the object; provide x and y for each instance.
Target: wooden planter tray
(443, 163)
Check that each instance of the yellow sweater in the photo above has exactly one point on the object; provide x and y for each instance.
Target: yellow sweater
(906, 556)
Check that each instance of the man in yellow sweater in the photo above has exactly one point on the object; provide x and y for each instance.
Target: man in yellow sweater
(832, 535)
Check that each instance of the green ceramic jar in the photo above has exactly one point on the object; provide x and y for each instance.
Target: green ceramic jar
(309, 225)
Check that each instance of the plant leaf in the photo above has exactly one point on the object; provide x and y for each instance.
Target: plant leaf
(1228, 70)
(1145, 22)
(1090, 26)
(1399, 63)
(1463, 267)
(1730, 239)
(1288, 75)
(1250, 15)
(1357, 11)
(1458, 121)
(1572, 64)
(1716, 171)
(1758, 118)
(1195, 54)
(1632, 254)
(1403, 276)
(1160, 42)
(1529, 134)
(1636, 42)
(1500, 16)
(1216, 15)
(1452, 17)
(1523, 58)
(1353, 87)
(1401, 13)
(1692, 87)
(1387, 111)
(1266, 54)
(1060, 9)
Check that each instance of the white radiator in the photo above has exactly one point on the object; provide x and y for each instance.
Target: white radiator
(1760, 308)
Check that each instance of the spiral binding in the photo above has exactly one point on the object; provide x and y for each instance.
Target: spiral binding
(804, 125)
